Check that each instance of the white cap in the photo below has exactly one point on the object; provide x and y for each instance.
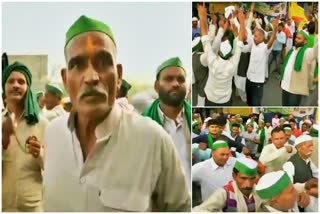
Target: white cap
(194, 19)
(302, 138)
(225, 47)
(308, 121)
(272, 184)
(228, 11)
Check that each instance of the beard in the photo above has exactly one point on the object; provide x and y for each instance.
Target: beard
(172, 100)
(299, 45)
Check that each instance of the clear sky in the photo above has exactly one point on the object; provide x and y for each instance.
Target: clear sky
(146, 33)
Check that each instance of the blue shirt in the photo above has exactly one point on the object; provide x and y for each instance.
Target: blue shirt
(280, 41)
(195, 33)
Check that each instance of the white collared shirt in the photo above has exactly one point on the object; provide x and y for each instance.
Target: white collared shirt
(178, 134)
(132, 160)
(258, 65)
(211, 176)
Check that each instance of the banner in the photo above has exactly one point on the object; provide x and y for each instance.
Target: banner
(297, 112)
(270, 9)
(297, 13)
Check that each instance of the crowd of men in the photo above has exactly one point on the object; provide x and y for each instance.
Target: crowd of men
(98, 153)
(239, 47)
(254, 165)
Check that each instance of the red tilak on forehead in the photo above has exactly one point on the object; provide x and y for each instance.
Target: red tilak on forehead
(89, 44)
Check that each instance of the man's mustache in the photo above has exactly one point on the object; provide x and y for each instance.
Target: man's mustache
(92, 92)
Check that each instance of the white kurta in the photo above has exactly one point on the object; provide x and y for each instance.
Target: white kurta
(54, 113)
(273, 158)
(133, 160)
(212, 177)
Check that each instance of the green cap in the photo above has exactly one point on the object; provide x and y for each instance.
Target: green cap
(282, 119)
(125, 85)
(272, 184)
(85, 24)
(54, 88)
(219, 144)
(304, 34)
(172, 62)
(246, 166)
(287, 129)
(197, 45)
(39, 94)
(195, 123)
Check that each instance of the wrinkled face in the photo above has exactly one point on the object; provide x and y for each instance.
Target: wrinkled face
(286, 199)
(92, 77)
(52, 100)
(305, 149)
(235, 131)
(171, 86)
(16, 88)
(278, 139)
(300, 40)
(221, 156)
(245, 183)
(213, 129)
(258, 37)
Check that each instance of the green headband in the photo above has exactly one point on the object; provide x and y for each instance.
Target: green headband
(287, 129)
(54, 89)
(276, 188)
(172, 62)
(85, 24)
(245, 170)
(304, 34)
(219, 144)
(30, 105)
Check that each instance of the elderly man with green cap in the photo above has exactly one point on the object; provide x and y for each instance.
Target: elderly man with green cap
(53, 97)
(238, 195)
(22, 156)
(278, 193)
(100, 157)
(172, 111)
(296, 72)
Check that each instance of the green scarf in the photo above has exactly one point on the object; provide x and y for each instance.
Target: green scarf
(30, 106)
(153, 112)
(262, 139)
(298, 61)
(211, 140)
